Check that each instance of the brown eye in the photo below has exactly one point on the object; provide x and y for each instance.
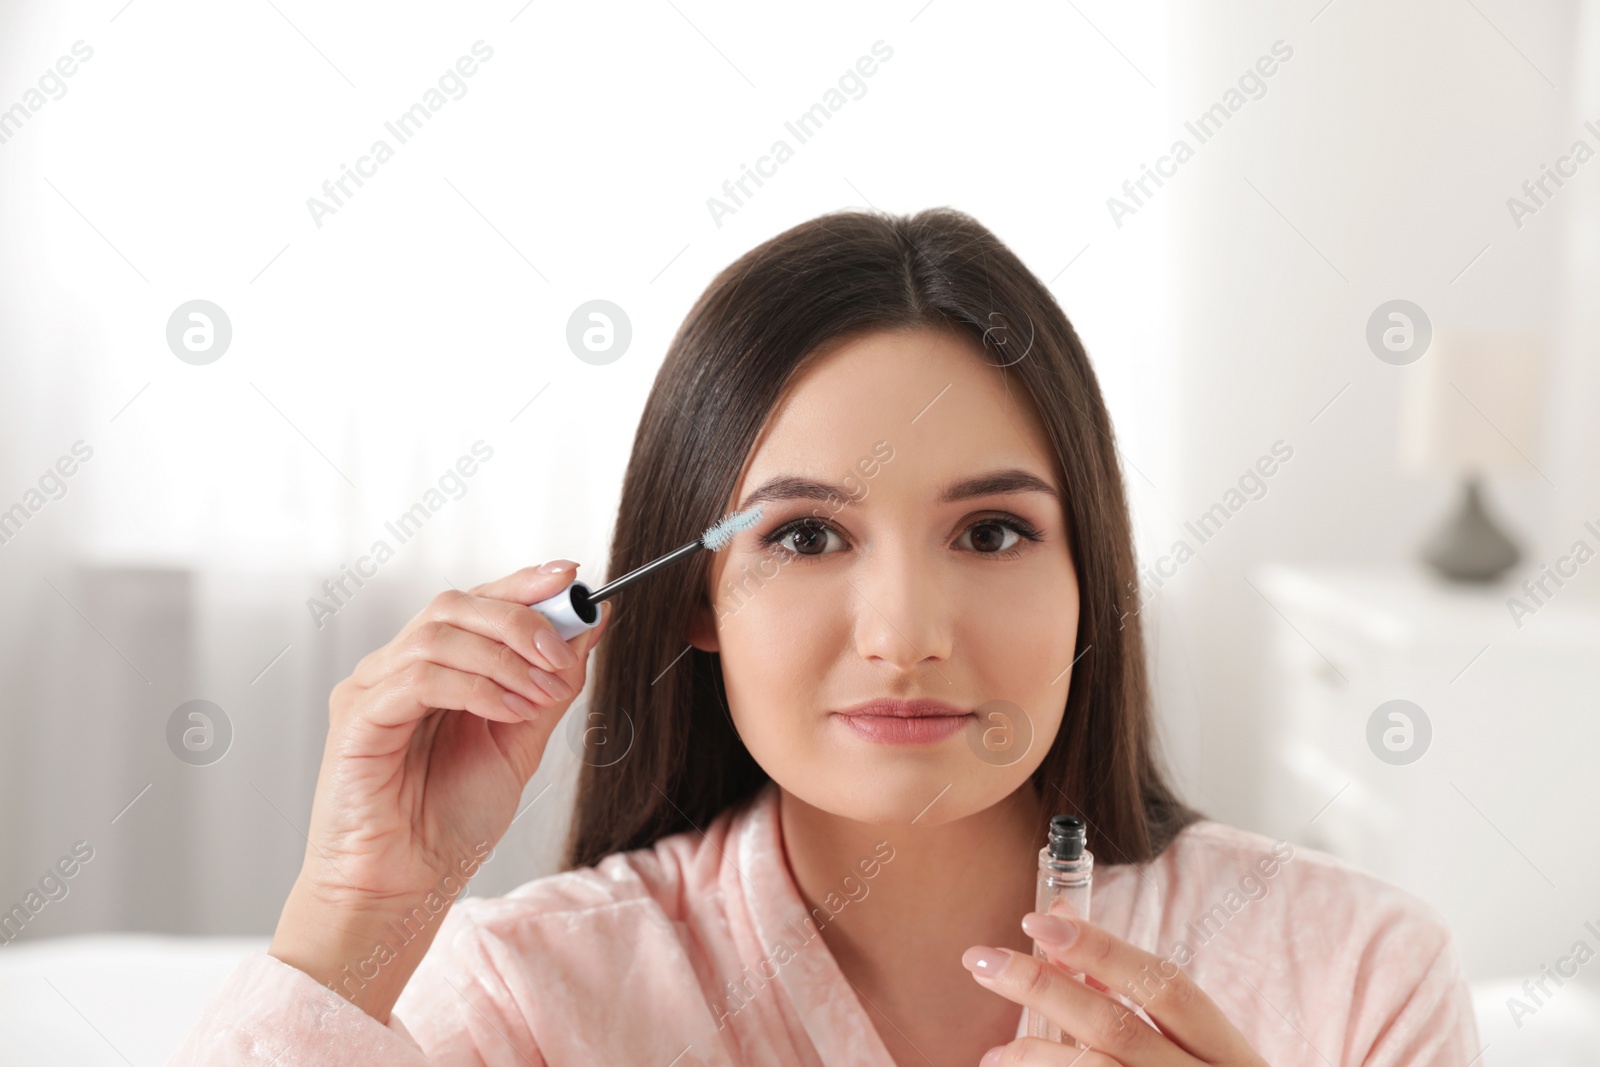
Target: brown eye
(809, 538)
(990, 537)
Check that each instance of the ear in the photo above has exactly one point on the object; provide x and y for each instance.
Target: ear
(703, 629)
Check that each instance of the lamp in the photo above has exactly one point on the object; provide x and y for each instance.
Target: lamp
(1472, 408)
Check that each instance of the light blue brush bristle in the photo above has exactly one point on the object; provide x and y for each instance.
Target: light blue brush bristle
(720, 536)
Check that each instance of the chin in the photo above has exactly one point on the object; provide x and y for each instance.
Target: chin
(892, 790)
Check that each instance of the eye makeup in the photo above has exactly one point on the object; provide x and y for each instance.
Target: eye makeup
(1026, 532)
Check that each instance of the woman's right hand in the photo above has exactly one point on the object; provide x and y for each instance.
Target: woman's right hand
(430, 742)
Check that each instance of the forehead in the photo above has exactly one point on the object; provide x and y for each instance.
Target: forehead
(927, 394)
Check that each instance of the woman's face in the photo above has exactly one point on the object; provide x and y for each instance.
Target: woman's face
(887, 589)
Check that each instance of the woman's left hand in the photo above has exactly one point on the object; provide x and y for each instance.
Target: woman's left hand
(1194, 1032)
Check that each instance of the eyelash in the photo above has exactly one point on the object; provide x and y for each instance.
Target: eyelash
(1020, 527)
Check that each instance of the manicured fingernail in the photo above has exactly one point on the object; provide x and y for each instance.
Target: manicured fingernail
(519, 705)
(985, 962)
(557, 565)
(549, 642)
(1051, 929)
(553, 684)
(992, 1057)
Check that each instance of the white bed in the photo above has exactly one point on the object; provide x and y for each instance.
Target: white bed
(115, 999)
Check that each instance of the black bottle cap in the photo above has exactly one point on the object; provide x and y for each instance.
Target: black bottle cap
(582, 604)
(1067, 837)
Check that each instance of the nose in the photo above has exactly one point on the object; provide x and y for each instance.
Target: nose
(904, 617)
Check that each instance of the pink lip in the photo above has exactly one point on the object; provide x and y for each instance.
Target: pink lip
(904, 722)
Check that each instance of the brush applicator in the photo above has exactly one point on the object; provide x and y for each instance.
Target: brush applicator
(575, 609)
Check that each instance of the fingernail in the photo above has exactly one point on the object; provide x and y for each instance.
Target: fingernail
(1051, 929)
(519, 705)
(553, 684)
(555, 649)
(992, 1057)
(985, 962)
(557, 565)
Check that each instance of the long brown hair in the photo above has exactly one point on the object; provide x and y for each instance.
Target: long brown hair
(742, 343)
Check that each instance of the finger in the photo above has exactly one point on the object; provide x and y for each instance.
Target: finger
(513, 588)
(530, 634)
(422, 686)
(580, 645)
(599, 630)
(463, 650)
(531, 584)
(1037, 1050)
(1063, 906)
(1158, 985)
(583, 643)
(1093, 1018)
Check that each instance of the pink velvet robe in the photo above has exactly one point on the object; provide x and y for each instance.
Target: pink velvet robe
(697, 951)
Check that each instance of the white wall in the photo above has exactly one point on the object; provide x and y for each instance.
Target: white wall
(1390, 141)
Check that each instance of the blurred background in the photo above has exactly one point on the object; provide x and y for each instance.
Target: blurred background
(1335, 262)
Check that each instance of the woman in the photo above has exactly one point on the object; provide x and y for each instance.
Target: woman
(820, 764)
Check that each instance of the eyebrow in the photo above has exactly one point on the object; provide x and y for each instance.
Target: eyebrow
(992, 483)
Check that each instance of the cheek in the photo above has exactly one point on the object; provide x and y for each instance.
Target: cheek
(1024, 623)
(780, 637)
(1021, 636)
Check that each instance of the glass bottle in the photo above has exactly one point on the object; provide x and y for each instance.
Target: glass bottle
(1066, 871)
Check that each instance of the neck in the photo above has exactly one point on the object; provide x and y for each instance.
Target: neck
(899, 935)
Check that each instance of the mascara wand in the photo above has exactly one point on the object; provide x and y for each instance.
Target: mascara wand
(574, 610)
